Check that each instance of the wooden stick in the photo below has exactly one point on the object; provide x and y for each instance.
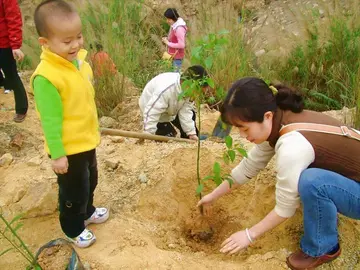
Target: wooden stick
(140, 135)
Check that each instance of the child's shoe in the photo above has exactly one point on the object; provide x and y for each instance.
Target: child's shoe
(7, 91)
(85, 239)
(99, 216)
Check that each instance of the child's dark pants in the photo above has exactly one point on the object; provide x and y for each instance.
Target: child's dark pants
(12, 80)
(166, 128)
(76, 192)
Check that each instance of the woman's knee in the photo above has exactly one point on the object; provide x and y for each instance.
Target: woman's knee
(308, 181)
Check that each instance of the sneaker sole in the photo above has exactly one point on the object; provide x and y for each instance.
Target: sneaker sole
(83, 245)
(98, 221)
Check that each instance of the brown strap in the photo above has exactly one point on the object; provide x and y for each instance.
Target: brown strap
(342, 130)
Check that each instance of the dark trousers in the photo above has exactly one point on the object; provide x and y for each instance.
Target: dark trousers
(12, 80)
(167, 129)
(2, 79)
(76, 192)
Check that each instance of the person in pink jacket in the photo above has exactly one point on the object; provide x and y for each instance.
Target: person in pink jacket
(176, 39)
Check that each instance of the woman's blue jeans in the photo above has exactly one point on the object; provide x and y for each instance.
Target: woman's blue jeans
(324, 194)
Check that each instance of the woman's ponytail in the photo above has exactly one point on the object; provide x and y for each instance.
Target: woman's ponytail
(289, 99)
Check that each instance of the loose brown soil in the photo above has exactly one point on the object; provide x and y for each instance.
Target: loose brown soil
(55, 258)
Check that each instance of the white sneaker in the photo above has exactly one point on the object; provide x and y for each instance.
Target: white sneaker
(7, 91)
(85, 239)
(99, 216)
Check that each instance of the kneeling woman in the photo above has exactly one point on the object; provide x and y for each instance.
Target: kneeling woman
(317, 162)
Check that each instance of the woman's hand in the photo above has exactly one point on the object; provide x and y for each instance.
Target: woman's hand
(205, 204)
(235, 243)
(206, 200)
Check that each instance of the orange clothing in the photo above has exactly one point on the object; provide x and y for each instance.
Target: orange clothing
(102, 64)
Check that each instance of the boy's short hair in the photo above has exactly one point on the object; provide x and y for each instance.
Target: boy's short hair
(47, 9)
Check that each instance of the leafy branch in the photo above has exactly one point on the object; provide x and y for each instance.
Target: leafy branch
(232, 150)
(9, 233)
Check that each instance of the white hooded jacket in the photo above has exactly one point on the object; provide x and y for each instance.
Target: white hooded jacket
(159, 102)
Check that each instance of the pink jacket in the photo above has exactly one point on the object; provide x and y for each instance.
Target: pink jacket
(176, 45)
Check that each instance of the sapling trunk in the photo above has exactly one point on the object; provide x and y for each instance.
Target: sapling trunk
(198, 155)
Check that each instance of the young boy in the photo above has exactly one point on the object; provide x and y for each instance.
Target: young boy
(161, 107)
(64, 98)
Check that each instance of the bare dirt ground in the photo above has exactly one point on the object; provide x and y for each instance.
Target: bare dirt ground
(152, 224)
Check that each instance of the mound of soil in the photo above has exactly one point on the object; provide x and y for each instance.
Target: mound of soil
(55, 258)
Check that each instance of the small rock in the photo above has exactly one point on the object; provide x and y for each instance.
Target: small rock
(260, 53)
(143, 178)
(17, 140)
(107, 122)
(43, 167)
(172, 246)
(35, 161)
(109, 151)
(112, 163)
(6, 159)
(117, 139)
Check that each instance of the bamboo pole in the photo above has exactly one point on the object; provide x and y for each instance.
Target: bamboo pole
(141, 135)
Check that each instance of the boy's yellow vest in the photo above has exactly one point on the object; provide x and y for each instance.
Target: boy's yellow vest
(80, 130)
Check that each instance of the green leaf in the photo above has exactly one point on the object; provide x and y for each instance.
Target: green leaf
(206, 178)
(211, 100)
(218, 180)
(228, 142)
(232, 155)
(208, 62)
(37, 267)
(199, 189)
(217, 169)
(181, 95)
(5, 251)
(195, 52)
(18, 226)
(242, 152)
(13, 221)
(220, 93)
(210, 82)
(222, 41)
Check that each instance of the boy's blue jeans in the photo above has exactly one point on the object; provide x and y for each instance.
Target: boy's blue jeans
(323, 194)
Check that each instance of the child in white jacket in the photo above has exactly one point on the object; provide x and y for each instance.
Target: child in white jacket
(161, 107)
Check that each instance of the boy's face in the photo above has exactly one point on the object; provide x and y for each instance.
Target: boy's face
(65, 37)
